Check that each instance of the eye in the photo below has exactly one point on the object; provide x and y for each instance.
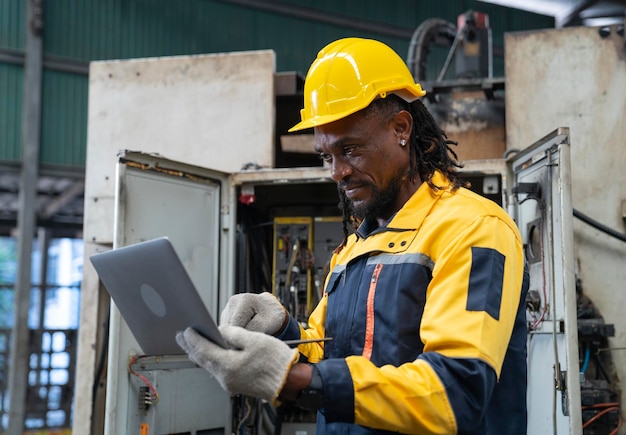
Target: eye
(325, 157)
(349, 150)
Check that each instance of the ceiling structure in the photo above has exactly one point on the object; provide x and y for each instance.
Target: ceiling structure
(572, 12)
(58, 204)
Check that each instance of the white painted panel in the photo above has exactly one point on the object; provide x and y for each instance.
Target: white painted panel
(215, 111)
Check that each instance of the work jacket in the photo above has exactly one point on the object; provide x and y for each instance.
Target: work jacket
(427, 321)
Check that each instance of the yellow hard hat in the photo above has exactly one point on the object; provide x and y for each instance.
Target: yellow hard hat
(347, 75)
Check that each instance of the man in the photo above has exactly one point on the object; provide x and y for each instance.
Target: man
(424, 301)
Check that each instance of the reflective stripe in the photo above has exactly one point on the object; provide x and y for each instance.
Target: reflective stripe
(413, 258)
(369, 325)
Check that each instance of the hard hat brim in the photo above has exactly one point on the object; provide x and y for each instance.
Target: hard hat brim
(407, 94)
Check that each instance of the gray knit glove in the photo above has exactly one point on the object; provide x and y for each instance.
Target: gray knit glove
(256, 364)
(260, 312)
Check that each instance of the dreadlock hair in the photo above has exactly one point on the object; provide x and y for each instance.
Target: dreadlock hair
(429, 151)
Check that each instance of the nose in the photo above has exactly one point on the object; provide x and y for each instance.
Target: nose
(339, 169)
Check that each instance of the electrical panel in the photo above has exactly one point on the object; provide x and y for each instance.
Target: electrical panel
(301, 252)
(328, 234)
(293, 264)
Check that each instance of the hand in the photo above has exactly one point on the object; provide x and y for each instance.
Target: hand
(256, 365)
(260, 312)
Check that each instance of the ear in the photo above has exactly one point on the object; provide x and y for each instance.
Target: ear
(403, 124)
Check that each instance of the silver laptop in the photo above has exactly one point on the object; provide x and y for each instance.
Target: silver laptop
(154, 294)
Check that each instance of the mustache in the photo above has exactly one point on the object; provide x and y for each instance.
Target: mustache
(347, 184)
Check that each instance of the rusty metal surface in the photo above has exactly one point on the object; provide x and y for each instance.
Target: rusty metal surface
(475, 122)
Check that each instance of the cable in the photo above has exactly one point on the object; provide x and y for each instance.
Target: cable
(507, 153)
(601, 368)
(434, 31)
(289, 285)
(583, 369)
(597, 225)
(610, 406)
(598, 415)
(241, 429)
(154, 396)
(619, 424)
(460, 36)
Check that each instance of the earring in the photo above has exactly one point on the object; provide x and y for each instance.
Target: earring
(402, 142)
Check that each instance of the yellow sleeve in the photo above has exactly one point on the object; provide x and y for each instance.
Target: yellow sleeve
(314, 352)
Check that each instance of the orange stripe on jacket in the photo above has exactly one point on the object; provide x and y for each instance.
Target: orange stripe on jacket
(369, 324)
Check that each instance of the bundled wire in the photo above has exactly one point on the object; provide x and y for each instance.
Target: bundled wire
(608, 407)
(241, 426)
(154, 396)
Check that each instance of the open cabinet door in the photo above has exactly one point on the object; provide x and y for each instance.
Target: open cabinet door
(156, 197)
(543, 210)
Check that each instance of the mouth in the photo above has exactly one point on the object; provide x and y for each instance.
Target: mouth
(352, 190)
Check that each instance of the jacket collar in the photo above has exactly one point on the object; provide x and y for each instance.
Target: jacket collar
(414, 211)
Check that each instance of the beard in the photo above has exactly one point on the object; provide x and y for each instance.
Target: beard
(382, 202)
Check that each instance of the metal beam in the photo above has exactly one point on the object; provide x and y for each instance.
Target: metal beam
(53, 63)
(323, 17)
(31, 123)
(74, 191)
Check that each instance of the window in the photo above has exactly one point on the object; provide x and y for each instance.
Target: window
(53, 320)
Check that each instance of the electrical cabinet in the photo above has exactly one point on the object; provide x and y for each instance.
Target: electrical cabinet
(274, 230)
(541, 205)
(165, 394)
(222, 227)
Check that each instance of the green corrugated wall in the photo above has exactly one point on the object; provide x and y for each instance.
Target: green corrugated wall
(87, 30)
